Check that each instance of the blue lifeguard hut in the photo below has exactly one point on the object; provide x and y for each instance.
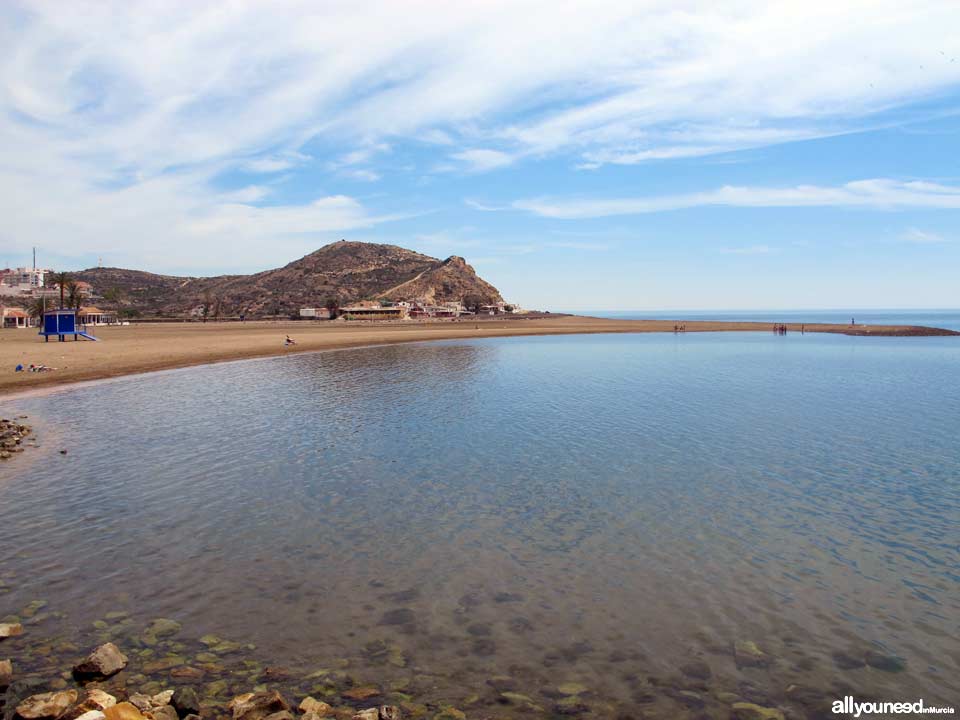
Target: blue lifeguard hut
(62, 323)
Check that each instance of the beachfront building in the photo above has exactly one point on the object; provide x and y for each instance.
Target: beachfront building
(316, 313)
(95, 316)
(15, 317)
(368, 310)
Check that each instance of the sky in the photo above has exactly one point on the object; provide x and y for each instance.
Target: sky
(638, 154)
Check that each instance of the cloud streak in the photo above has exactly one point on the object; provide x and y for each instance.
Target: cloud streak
(119, 122)
(875, 194)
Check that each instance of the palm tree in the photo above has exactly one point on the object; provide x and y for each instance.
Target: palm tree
(75, 295)
(37, 308)
(61, 279)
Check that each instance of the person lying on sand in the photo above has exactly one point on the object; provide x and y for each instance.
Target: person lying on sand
(40, 368)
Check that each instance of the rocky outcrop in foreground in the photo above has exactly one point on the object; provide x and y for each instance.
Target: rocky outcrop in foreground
(180, 704)
(12, 436)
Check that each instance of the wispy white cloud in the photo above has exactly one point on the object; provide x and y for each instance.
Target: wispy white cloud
(876, 193)
(145, 108)
(922, 237)
(476, 205)
(274, 163)
(249, 194)
(482, 159)
(749, 250)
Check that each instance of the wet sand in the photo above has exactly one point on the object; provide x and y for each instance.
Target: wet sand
(138, 348)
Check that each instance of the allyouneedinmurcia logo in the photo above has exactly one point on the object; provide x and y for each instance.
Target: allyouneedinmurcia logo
(849, 706)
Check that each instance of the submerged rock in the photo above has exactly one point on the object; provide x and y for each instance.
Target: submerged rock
(886, 663)
(6, 673)
(163, 627)
(47, 706)
(256, 706)
(399, 616)
(103, 662)
(8, 630)
(363, 692)
(185, 701)
(697, 670)
(747, 654)
(572, 688)
(749, 711)
(845, 661)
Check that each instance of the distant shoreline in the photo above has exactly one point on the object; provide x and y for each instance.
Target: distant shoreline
(148, 347)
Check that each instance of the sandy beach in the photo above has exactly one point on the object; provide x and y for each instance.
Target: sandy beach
(137, 348)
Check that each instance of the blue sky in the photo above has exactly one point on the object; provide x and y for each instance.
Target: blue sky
(602, 155)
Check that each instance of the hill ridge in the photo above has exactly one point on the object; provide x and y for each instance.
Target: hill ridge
(346, 271)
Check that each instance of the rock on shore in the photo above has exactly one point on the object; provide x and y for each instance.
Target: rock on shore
(103, 662)
(12, 435)
(47, 706)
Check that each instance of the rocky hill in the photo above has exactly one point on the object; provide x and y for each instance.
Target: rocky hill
(345, 271)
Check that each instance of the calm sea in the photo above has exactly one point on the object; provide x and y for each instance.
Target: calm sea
(948, 319)
(597, 526)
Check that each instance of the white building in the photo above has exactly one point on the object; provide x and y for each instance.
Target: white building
(25, 278)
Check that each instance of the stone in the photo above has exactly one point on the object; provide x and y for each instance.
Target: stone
(162, 698)
(450, 713)
(92, 715)
(886, 663)
(312, 705)
(747, 654)
(282, 715)
(162, 627)
(749, 711)
(368, 714)
(187, 672)
(6, 673)
(398, 616)
(140, 701)
(103, 662)
(8, 630)
(123, 711)
(97, 699)
(164, 712)
(33, 608)
(45, 706)
(390, 712)
(256, 706)
(185, 701)
(572, 688)
(845, 661)
(362, 692)
(217, 687)
(696, 669)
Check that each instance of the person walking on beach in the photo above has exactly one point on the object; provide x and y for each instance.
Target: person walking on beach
(289, 341)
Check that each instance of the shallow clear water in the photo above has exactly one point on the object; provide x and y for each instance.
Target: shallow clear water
(604, 510)
(947, 319)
